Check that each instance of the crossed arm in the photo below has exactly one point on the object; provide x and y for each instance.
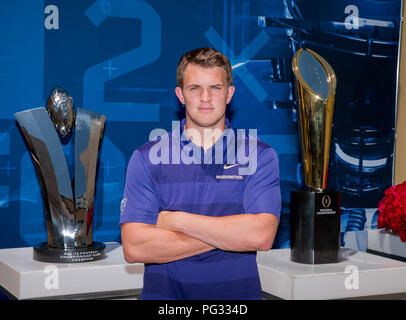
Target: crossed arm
(178, 235)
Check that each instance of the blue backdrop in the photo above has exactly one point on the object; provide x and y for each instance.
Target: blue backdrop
(119, 58)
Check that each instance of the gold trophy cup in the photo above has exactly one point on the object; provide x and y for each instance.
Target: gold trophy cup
(315, 211)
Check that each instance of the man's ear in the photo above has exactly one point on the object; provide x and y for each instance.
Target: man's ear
(230, 93)
(179, 94)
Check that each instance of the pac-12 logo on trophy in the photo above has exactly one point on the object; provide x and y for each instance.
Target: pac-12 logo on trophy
(67, 182)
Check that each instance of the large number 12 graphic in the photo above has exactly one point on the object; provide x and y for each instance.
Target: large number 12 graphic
(148, 52)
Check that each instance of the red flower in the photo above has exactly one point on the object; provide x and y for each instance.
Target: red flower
(392, 210)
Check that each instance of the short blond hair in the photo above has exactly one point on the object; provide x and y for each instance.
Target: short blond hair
(206, 58)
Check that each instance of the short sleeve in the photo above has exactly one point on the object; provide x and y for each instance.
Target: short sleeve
(141, 202)
(262, 190)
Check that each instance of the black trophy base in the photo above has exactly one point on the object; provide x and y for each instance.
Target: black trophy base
(44, 253)
(315, 227)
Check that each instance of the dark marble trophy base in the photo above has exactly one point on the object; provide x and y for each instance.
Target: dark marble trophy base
(315, 227)
(44, 253)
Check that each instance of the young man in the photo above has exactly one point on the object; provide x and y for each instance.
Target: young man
(197, 225)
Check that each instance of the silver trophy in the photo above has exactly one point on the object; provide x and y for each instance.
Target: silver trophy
(68, 195)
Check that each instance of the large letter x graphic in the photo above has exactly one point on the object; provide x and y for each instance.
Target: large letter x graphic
(238, 63)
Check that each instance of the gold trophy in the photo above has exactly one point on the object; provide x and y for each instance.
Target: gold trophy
(314, 210)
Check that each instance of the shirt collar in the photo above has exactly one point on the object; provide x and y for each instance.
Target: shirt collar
(185, 140)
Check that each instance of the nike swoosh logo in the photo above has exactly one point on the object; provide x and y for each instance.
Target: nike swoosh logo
(230, 166)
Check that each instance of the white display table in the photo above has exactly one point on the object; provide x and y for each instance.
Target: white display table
(112, 277)
(25, 278)
(384, 242)
(377, 275)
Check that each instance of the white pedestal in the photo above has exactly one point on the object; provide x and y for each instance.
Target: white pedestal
(385, 242)
(290, 280)
(25, 278)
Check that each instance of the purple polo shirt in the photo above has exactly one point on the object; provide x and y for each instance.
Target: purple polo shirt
(167, 175)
